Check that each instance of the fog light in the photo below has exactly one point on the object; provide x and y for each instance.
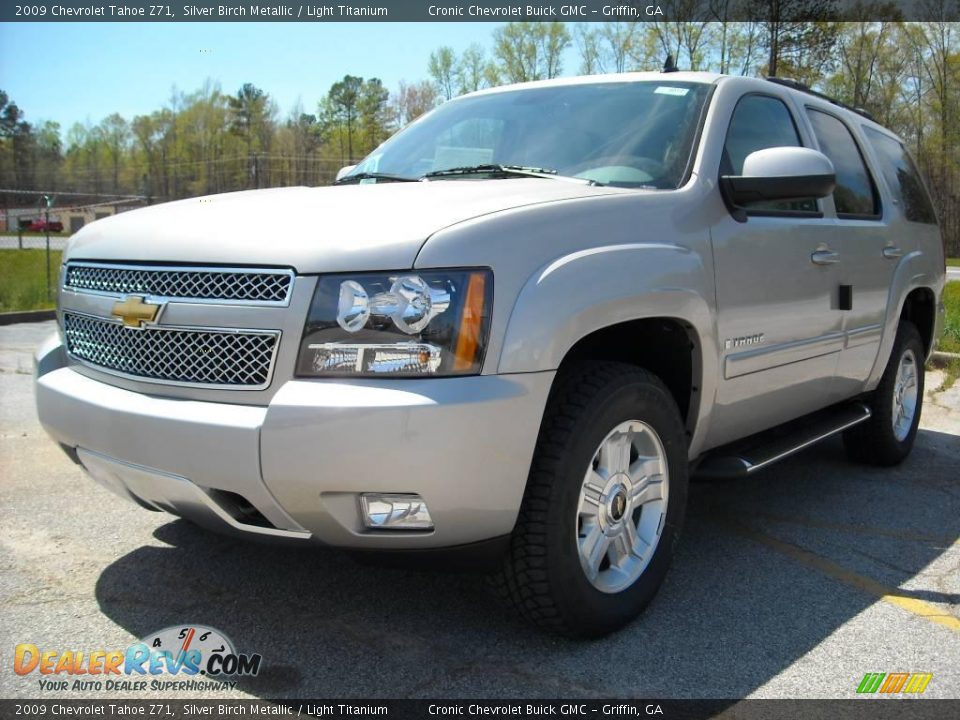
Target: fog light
(395, 512)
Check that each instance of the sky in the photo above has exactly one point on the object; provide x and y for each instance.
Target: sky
(78, 72)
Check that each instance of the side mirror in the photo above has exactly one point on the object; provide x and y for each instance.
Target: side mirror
(344, 171)
(780, 173)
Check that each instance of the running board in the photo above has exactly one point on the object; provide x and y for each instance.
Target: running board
(746, 457)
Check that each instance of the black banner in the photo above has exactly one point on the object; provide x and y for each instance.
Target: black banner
(783, 11)
(860, 709)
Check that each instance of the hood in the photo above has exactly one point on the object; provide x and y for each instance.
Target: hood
(348, 228)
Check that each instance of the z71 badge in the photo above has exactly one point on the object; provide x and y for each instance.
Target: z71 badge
(744, 341)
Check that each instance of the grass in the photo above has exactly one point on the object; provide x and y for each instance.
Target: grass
(951, 371)
(23, 285)
(953, 262)
(26, 234)
(950, 342)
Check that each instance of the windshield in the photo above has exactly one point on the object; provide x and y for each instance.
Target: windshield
(628, 134)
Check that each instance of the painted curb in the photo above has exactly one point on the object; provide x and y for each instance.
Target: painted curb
(11, 318)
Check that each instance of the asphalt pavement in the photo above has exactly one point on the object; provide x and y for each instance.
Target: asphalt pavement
(794, 583)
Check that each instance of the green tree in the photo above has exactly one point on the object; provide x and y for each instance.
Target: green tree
(17, 138)
(442, 67)
(688, 40)
(609, 48)
(799, 36)
(306, 133)
(49, 156)
(472, 69)
(249, 110)
(116, 135)
(861, 50)
(340, 110)
(413, 100)
(525, 51)
(374, 113)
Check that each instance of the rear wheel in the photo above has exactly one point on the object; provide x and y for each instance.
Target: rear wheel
(604, 502)
(887, 437)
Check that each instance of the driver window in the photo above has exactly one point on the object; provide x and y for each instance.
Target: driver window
(760, 122)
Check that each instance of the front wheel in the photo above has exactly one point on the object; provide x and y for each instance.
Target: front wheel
(604, 502)
(887, 437)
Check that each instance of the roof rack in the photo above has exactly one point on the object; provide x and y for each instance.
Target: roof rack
(797, 85)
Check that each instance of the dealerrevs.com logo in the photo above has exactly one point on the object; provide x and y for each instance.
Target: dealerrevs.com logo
(167, 660)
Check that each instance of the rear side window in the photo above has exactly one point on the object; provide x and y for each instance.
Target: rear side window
(855, 194)
(902, 177)
(760, 122)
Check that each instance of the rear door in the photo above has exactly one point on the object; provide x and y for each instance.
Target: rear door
(863, 241)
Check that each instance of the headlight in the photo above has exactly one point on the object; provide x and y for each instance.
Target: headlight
(405, 323)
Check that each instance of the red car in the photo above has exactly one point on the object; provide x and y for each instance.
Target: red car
(41, 225)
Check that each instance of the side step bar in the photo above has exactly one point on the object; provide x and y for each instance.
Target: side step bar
(746, 457)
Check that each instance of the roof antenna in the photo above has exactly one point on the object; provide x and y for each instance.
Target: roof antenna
(669, 66)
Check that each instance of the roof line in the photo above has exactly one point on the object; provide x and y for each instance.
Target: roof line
(797, 85)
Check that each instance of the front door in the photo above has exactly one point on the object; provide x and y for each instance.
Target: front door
(779, 325)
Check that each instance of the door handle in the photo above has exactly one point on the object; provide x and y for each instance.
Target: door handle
(825, 257)
(892, 252)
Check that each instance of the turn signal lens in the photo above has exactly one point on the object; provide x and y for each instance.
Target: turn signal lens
(471, 323)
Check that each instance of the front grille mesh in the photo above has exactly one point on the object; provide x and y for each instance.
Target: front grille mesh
(210, 357)
(199, 284)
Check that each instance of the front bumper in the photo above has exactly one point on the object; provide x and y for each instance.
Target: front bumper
(295, 468)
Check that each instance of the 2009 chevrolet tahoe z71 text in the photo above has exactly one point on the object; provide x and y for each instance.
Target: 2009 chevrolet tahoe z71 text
(515, 327)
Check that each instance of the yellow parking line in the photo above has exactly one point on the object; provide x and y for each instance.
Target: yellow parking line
(920, 608)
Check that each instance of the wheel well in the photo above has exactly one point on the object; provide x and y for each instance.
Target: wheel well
(667, 347)
(919, 308)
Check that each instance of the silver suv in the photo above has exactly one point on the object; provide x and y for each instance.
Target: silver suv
(511, 332)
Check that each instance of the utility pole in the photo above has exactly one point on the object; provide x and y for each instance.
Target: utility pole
(48, 200)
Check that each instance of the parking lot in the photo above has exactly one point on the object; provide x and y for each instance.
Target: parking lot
(792, 584)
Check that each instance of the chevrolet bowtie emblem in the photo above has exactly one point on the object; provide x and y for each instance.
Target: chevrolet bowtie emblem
(135, 311)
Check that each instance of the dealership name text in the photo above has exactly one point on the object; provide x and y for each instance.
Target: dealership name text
(543, 710)
(544, 11)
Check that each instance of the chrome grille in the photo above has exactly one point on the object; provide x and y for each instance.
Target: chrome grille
(203, 284)
(241, 359)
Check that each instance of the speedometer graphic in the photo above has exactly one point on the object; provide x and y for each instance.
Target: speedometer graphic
(178, 639)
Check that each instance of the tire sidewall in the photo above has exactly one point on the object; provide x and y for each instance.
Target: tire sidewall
(907, 339)
(578, 598)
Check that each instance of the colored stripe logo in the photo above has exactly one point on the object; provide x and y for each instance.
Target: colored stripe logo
(892, 683)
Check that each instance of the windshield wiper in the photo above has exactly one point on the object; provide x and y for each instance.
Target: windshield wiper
(506, 170)
(386, 177)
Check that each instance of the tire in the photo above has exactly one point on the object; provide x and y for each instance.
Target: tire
(879, 440)
(544, 573)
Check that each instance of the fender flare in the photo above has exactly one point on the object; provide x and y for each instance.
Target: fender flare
(582, 292)
(911, 274)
